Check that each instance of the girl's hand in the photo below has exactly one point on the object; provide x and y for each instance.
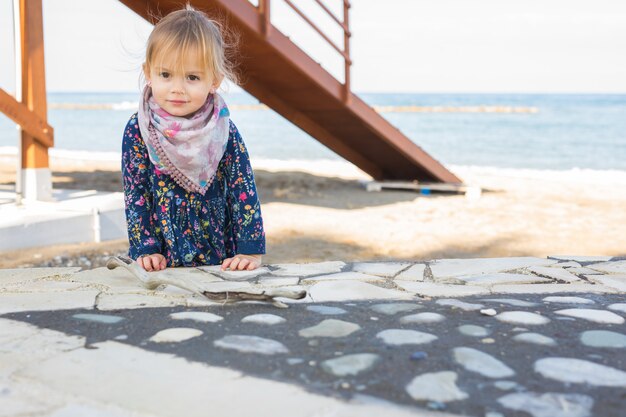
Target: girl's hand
(242, 262)
(154, 262)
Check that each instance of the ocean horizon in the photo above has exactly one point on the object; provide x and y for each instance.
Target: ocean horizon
(553, 132)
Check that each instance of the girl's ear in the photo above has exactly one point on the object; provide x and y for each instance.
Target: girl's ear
(218, 82)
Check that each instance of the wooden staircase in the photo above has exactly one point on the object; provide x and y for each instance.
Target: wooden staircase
(281, 75)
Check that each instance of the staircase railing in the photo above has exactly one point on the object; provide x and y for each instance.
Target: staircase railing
(266, 24)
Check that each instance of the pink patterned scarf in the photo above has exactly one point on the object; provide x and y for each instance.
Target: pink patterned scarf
(187, 149)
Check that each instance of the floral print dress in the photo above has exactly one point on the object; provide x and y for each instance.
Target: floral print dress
(188, 228)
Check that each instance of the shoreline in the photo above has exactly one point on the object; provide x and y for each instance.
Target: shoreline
(64, 159)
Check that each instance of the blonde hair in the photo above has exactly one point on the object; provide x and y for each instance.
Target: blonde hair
(187, 31)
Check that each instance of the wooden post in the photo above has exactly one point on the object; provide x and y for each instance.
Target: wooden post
(266, 20)
(346, 47)
(36, 178)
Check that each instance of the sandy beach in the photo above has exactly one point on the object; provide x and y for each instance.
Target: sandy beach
(315, 211)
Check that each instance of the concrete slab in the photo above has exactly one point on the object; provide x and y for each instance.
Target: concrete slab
(429, 289)
(554, 272)
(352, 290)
(106, 302)
(307, 270)
(12, 302)
(488, 280)
(13, 276)
(342, 276)
(551, 289)
(618, 282)
(618, 267)
(382, 269)
(414, 273)
(444, 268)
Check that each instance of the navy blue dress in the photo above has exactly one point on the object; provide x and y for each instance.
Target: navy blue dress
(188, 228)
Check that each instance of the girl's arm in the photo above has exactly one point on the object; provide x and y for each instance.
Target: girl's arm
(245, 234)
(137, 193)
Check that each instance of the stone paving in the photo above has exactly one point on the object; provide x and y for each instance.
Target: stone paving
(476, 337)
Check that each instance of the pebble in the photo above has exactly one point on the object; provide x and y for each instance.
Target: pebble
(268, 319)
(597, 316)
(480, 362)
(294, 361)
(393, 308)
(416, 356)
(618, 307)
(488, 340)
(505, 385)
(603, 338)
(176, 334)
(405, 337)
(251, 344)
(580, 371)
(330, 328)
(423, 318)
(473, 330)
(522, 317)
(459, 304)
(535, 338)
(350, 364)
(568, 300)
(197, 316)
(326, 310)
(435, 405)
(99, 318)
(436, 386)
(488, 312)
(549, 404)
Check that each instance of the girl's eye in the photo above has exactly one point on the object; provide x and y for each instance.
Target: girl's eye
(165, 74)
(193, 78)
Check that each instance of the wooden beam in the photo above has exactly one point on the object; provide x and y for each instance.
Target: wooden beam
(34, 153)
(28, 120)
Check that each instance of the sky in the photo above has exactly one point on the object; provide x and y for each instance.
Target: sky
(412, 46)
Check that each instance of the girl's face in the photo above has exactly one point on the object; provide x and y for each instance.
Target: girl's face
(178, 93)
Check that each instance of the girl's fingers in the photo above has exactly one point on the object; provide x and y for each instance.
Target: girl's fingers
(156, 263)
(243, 264)
(226, 263)
(146, 264)
(234, 263)
(240, 263)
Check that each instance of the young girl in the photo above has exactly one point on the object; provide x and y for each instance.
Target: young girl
(189, 188)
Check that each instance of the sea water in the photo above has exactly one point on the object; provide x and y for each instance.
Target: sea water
(566, 131)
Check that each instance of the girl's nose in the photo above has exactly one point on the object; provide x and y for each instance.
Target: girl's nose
(178, 86)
